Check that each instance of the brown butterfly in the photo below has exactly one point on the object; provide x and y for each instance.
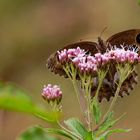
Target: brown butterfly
(129, 37)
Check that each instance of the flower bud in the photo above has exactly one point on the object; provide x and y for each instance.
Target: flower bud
(52, 93)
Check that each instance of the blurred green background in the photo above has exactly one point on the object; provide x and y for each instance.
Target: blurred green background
(31, 30)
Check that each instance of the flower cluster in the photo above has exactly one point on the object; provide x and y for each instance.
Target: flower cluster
(82, 61)
(52, 93)
(85, 63)
(101, 59)
(88, 63)
(121, 55)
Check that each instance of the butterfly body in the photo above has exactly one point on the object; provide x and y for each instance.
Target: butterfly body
(129, 37)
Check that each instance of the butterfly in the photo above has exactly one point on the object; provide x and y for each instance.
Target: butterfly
(128, 37)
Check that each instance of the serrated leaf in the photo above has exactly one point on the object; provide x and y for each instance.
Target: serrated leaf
(77, 127)
(35, 133)
(96, 111)
(104, 126)
(61, 132)
(15, 99)
(105, 135)
(108, 123)
(113, 122)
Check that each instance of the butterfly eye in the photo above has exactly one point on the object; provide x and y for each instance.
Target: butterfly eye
(138, 38)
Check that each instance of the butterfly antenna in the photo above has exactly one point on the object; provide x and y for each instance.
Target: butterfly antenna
(103, 32)
(102, 46)
(99, 38)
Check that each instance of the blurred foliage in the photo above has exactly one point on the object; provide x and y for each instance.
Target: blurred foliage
(35, 133)
(139, 2)
(14, 6)
(15, 99)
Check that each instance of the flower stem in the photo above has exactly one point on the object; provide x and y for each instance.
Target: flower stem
(113, 101)
(71, 73)
(88, 109)
(68, 131)
(101, 76)
(77, 94)
(86, 85)
(111, 106)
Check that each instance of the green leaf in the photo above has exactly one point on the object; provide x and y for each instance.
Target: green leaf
(60, 132)
(77, 127)
(105, 135)
(89, 136)
(113, 122)
(109, 122)
(96, 111)
(106, 124)
(15, 99)
(35, 133)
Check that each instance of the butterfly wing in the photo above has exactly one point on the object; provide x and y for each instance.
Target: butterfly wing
(129, 37)
(88, 46)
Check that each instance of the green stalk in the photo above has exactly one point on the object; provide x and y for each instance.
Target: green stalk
(111, 106)
(124, 73)
(113, 101)
(77, 94)
(88, 107)
(86, 85)
(70, 132)
(101, 76)
(71, 73)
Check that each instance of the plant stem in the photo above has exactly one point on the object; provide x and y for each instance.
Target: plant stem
(77, 94)
(111, 106)
(97, 91)
(87, 87)
(73, 134)
(71, 73)
(88, 111)
(114, 100)
(101, 76)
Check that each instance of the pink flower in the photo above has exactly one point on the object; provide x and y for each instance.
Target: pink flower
(52, 93)
(101, 59)
(62, 55)
(85, 64)
(121, 55)
(67, 55)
